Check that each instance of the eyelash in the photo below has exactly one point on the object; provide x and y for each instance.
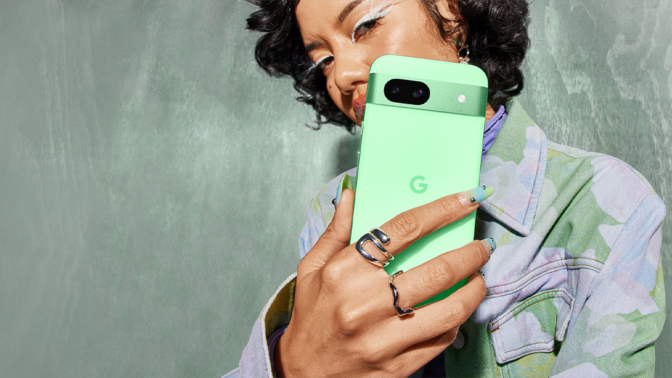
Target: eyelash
(320, 64)
(371, 24)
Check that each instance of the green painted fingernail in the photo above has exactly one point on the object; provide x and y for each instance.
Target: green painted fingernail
(346, 183)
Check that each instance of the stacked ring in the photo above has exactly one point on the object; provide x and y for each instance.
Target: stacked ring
(378, 238)
(395, 293)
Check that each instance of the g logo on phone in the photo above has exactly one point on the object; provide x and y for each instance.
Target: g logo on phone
(420, 187)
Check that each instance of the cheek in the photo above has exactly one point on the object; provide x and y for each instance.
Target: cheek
(335, 94)
(417, 38)
(397, 41)
(340, 101)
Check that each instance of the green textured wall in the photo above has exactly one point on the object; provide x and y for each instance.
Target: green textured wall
(153, 181)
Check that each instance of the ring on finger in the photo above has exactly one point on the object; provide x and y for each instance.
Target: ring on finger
(395, 293)
(378, 238)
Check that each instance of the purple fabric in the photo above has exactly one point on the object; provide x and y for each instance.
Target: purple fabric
(492, 129)
(436, 368)
(272, 342)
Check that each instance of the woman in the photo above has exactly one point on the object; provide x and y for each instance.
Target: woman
(574, 286)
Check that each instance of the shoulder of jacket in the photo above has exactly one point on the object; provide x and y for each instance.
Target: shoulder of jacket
(607, 168)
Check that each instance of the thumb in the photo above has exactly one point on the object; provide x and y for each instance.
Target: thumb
(337, 235)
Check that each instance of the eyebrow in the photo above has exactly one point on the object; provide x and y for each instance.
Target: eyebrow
(346, 11)
(312, 46)
(341, 17)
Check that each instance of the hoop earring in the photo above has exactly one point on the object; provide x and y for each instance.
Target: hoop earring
(462, 51)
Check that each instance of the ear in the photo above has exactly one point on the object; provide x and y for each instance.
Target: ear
(449, 9)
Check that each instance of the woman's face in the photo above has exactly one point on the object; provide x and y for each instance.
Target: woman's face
(344, 37)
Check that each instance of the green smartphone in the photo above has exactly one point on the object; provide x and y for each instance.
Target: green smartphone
(422, 139)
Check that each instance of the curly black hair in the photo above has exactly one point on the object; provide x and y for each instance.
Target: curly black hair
(496, 38)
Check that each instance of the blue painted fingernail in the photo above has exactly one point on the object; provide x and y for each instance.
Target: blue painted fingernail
(489, 244)
(476, 195)
(338, 195)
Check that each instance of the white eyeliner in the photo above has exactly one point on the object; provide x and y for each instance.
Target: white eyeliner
(375, 13)
(319, 61)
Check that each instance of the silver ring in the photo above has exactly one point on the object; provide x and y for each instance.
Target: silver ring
(378, 238)
(384, 240)
(395, 292)
(380, 235)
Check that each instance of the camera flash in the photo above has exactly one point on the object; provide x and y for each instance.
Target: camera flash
(461, 98)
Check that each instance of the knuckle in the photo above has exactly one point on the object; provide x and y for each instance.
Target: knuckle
(462, 311)
(479, 250)
(482, 289)
(402, 366)
(448, 205)
(427, 328)
(346, 320)
(440, 272)
(406, 225)
(328, 233)
(301, 270)
(435, 276)
(333, 273)
(448, 337)
(456, 313)
(393, 369)
(372, 353)
(336, 232)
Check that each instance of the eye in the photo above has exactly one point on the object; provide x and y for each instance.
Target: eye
(364, 28)
(324, 62)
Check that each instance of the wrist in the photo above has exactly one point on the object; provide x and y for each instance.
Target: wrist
(280, 353)
(272, 346)
(287, 359)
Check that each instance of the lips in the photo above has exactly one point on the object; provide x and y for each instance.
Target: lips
(359, 104)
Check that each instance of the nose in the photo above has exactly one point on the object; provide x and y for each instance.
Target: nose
(349, 71)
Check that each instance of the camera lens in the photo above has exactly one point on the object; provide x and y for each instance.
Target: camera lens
(407, 91)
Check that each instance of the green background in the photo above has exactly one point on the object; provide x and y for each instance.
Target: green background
(153, 182)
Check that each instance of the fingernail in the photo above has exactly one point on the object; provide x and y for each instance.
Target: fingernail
(489, 244)
(476, 195)
(346, 183)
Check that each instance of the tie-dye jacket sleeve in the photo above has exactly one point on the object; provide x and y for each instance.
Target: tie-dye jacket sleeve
(614, 334)
(575, 287)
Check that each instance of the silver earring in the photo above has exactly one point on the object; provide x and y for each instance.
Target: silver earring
(462, 51)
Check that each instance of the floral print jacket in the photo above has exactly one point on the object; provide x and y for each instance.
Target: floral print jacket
(575, 287)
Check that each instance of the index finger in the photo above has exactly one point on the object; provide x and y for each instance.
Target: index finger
(411, 225)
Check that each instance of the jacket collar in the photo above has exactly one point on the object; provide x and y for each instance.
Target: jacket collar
(515, 167)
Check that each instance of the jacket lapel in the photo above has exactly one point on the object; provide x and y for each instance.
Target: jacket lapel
(515, 166)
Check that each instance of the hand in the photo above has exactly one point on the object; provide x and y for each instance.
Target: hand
(344, 323)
